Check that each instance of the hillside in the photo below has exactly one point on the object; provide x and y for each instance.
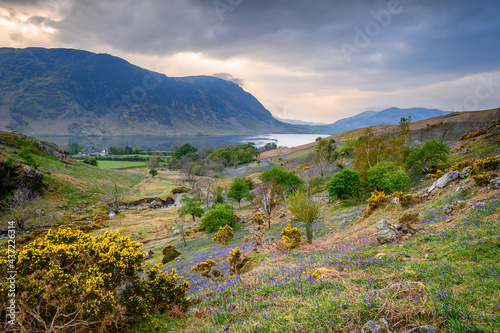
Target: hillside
(454, 124)
(73, 92)
(440, 268)
(390, 116)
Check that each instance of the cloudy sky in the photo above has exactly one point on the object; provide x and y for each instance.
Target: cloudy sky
(303, 59)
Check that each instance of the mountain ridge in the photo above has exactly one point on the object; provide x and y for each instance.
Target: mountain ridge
(74, 92)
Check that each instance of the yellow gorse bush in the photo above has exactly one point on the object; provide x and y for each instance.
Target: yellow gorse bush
(472, 135)
(291, 237)
(204, 268)
(67, 278)
(224, 235)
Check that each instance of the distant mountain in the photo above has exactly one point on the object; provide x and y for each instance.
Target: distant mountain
(299, 122)
(390, 116)
(73, 92)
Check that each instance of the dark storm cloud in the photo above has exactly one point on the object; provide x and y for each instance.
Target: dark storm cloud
(449, 35)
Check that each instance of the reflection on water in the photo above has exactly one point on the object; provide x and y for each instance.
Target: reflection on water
(163, 143)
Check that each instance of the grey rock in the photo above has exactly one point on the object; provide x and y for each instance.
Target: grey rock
(148, 254)
(445, 180)
(395, 201)
(448, 209)
(193, 311)
(374, 327)
(137, 235)
(111, 214)
(495, 183)
(422, 329)
(387, 231)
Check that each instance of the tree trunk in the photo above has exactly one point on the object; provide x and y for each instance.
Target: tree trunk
(309, 232)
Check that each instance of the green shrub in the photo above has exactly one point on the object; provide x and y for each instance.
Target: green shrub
(387, 177)
(345, 182)
(219, 216)
(169, 253)
(28, 157)
(90, 161)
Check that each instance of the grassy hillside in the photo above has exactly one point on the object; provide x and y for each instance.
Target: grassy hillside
(445, 273)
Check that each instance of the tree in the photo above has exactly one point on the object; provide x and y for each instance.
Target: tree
(371, 149)
(74, 148)
(268, 192)
(345, 182)
(238, 190)
(428, 155)
(219, 216)
(283, 181)
(305, 210)
(387, 177)
(153, 172)
(184, 150)
(190, 206)
(113, 197)
(153, 162)
(325, 154)
(218, 198)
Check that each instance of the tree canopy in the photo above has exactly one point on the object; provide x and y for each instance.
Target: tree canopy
(428, 155)
(238, 190)
(345, 182)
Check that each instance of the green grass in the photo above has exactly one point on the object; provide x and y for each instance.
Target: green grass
(299, 155)
(82, 182)
(119, 164)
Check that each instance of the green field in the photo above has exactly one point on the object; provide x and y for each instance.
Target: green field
(119, 164)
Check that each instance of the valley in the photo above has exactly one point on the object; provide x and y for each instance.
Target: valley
(442, 271)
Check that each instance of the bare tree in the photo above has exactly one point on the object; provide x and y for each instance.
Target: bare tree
(179, 224)
(28, 211)
(113, 197)
(269, 205)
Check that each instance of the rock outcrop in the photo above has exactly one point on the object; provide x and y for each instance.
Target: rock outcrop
(387, 231)
(445, 180)
(382, 326)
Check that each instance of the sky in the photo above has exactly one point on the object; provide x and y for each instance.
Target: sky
(316, 61)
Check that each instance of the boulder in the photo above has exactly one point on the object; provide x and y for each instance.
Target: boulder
(448, 209)
(111, 214)
(495, 183)
(382, 326)
(387, 231)
(148, 254)
(445, 180)
(422, 329)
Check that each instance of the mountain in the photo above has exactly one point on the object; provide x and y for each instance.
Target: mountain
(299, 122)
(74, 92)
(390, 116)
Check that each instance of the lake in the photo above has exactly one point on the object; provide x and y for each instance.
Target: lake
(163, 143)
